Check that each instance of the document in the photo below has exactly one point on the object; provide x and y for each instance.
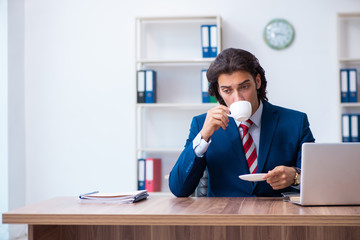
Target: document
(124, 197)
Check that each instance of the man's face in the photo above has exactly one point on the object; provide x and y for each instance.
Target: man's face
(239, 86)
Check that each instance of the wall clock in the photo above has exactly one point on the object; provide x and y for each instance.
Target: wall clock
(279, 34)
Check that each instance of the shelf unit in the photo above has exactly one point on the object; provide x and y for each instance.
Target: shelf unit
(348, 39)
(172, 47)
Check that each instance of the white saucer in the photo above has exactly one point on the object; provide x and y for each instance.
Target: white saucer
(255, 177)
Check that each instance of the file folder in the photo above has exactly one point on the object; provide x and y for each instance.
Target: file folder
(141, 86)
(346, 128)
(153, 174)
(150, 83)
(353, 85)
(141, 174)
(205, 41)
(344, 85)
(213, 40)
(354, 127)
(204, 87)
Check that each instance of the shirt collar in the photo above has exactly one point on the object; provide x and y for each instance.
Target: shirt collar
(256, 117)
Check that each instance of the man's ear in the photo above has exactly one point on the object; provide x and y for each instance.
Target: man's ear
(258, 81)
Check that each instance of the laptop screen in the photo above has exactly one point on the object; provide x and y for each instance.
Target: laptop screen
(330, 174)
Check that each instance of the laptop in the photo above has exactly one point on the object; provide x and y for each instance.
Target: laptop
(330, 174)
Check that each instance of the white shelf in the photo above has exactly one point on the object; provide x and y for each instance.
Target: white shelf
(175, 61)
(349, 60)
(161, 150)
(179, 18)
(348, 50)
(171, 46)
(159, 39)
(349, 15)
(348, 105)
(177, 105)
(348, 37)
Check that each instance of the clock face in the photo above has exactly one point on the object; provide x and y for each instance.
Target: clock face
(279, 34)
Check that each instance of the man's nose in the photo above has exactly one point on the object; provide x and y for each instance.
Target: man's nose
(238, 97)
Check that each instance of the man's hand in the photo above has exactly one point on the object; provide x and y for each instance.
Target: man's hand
(215, 118)
(280, 177)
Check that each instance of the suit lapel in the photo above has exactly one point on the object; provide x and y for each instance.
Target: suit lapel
(269, 121)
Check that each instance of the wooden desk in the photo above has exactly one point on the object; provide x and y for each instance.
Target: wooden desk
(186, 218)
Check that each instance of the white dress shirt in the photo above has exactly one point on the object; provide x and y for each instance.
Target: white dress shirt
(200, 146)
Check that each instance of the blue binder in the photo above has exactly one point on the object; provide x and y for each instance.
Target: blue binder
(150, 89)
(346, 128)
(141, 174)
(354, 127)
(344, 85)
(205, 41)
(353, 85)
(204, 87)
(213, 40)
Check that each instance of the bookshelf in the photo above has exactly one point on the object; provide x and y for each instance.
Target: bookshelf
(348, 38)
(172, 47)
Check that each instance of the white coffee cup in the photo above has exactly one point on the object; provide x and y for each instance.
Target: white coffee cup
(240, 110)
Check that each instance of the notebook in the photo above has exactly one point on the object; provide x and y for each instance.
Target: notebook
(330, 174)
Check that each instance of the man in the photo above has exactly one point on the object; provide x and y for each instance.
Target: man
(272, 138)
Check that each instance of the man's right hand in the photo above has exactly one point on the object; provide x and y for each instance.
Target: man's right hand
(216, 117)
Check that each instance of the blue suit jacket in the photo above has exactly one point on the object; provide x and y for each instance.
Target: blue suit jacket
(283, 131)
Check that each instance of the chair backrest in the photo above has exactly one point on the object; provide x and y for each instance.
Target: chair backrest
(201, 189)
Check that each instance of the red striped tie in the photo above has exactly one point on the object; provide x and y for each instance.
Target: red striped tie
(249, 146)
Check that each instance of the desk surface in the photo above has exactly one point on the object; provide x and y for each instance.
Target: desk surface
(160, 210)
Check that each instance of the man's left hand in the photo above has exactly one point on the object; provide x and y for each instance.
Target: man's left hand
(280, 177)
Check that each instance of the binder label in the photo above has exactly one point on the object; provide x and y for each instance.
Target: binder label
(344, 85)
(346, 128)
(141, 170)
(354, 126)
(205, 83)
(205, 41)
(149, 170)
(213, 40)
(141, 81)
(205, 36)
(353, 85)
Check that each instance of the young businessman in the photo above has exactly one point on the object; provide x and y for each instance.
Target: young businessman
(269, 143)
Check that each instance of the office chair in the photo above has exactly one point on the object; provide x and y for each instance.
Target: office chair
(201, 189)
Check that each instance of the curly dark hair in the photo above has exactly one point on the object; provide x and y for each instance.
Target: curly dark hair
(229, 61)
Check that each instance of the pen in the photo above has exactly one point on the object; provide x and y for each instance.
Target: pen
(82, 195)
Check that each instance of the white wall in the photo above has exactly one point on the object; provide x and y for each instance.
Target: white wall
(4, 181)
(12, 117)
(16, 104)
(79, 73)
